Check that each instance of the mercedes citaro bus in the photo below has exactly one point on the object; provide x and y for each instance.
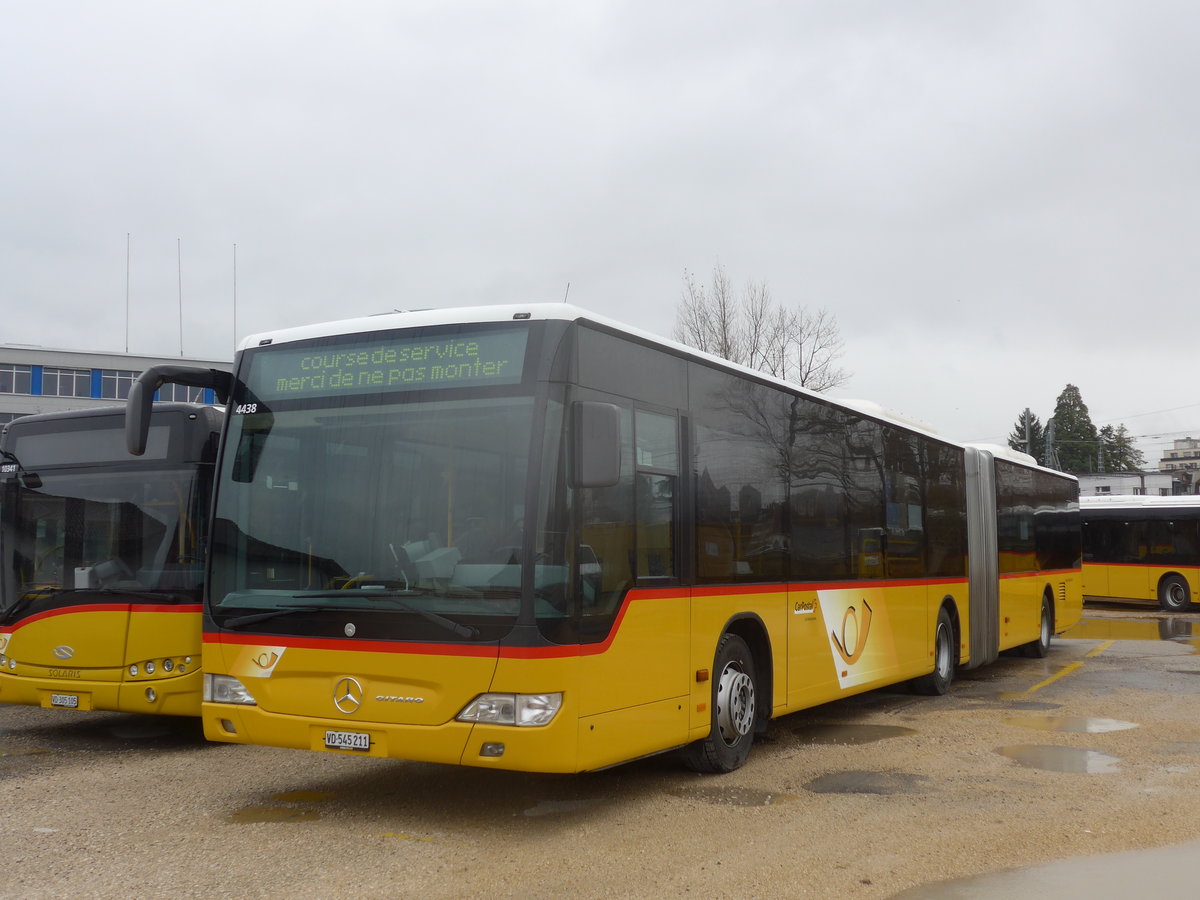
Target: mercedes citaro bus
(531, 538)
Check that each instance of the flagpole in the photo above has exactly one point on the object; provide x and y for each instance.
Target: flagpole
(127, 243)
(179, 258)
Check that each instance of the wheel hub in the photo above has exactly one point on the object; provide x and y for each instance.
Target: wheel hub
(735, 704)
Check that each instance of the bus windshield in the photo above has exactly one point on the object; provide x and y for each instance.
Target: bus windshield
(419, 535)
(68, 534)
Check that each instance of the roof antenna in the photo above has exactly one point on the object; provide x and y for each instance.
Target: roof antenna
(567, 292)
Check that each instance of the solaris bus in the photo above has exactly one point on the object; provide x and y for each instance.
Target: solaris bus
(103, 559)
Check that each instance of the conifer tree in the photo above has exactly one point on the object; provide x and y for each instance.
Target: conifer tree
(1118, 452)
(1036, 432)
(1076, 443)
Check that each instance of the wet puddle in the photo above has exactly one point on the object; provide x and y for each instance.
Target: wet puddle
(744, 797)
(1163, 872)
(1152, 628)
(850, 734)
(869, 783)
(1071, 724)
(1060, 759)
(1030, 705)
(253, 815)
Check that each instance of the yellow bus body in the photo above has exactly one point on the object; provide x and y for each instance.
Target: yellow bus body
(80, 658)
(1020, 604)
(673, 527)
(644, 690)
(1134, 581)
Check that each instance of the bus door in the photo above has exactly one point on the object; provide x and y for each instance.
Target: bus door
(1097, 554)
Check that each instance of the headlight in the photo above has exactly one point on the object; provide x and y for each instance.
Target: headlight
(528, 710)
(226, 689)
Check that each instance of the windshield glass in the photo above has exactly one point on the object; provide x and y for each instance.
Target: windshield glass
(67, 535)
(402, 516)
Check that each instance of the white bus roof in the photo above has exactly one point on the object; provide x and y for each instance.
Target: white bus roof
(1136, 501)
(421, 318)
(1003, 451)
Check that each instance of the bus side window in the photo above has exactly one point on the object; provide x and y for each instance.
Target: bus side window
(606, 520)
(657, 440)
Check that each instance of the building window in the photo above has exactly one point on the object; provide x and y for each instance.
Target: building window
(115, 384)
(1103, 489)
(180, 393)
(66, 382)
(5, 418)
(15, 379)
(1138, 492)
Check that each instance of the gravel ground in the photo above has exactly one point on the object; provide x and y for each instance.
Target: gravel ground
(863, 798)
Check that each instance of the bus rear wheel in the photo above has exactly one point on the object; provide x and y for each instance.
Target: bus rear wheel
(1174, 594)
(1039, 648)
(733, 710)
(944, 660)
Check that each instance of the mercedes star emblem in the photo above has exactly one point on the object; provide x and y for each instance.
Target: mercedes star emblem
(347, 695)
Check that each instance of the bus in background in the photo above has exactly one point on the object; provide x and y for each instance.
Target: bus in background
(103, 559)
(1142, 548)
(529, 538)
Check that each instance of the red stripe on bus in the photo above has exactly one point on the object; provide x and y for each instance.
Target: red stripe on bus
(553, 651)
(315, 643)
(1041, 573)
(1141, 565)
(105, 607)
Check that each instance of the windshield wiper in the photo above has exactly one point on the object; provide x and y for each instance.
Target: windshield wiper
(466, 631)
(166, 597)
(251, 618)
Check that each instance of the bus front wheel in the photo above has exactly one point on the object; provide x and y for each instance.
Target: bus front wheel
(1174, 595)
(733, 710)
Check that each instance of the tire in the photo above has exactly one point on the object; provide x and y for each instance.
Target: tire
(945, 660)
(1174, 594)
(733, 708)
(1039, 648)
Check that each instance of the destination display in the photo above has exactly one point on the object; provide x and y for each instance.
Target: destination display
(95, 445)
(465, 357)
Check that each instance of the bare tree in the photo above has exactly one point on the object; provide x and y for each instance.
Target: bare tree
(793, 344)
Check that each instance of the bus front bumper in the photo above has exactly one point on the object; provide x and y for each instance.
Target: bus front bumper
(548, 748)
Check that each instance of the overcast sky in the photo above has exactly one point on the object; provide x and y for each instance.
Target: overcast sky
(994, 199)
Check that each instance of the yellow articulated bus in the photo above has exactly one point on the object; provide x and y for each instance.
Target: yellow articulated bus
(1142, 548)
(529, 538)
(103, 559)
